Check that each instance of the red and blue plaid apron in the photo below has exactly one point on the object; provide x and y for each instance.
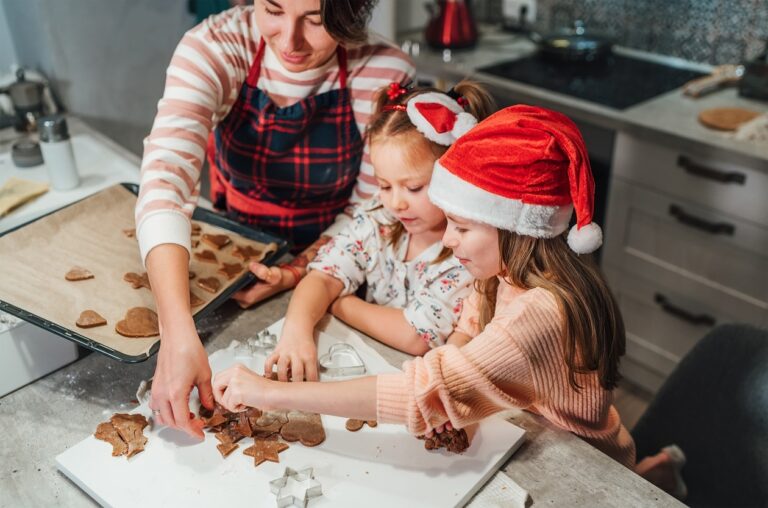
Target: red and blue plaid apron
(289, 170)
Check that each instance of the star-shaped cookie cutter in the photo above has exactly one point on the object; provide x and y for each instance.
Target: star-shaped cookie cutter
(296, 488)
(342, 360)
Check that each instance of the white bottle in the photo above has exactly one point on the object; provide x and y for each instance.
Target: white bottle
(57, 152)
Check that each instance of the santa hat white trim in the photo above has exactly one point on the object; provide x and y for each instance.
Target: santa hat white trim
(464, 121)
(457, 196)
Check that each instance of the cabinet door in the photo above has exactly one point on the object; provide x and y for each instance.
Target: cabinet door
(704, 179)
(662, 238)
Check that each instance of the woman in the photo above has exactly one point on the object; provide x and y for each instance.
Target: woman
(280, 93)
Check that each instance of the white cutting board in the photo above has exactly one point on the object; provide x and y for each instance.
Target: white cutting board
(380, 467)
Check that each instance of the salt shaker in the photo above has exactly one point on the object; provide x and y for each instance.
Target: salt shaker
(57, 152)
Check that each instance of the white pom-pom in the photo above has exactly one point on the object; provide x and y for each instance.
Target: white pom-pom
(464, 123)
(585, 240)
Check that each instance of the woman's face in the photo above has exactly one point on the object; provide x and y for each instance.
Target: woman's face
(475, 245)
(403, 170)
(294, 32)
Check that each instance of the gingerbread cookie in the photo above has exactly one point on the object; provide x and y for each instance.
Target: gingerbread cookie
(206, 256)
(218, 242)
(354, 425)
(194, 300)
(210, 284)
(78, 273)
(90, 319)
(246, 252)
(226, 448)
(130, 233)
(137, 281)
(195, 243)
(138, 322)
(196, 229)
(265, 449)
(306, 428)
(230, 270)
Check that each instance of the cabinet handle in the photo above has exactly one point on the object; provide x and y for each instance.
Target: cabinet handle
(716, 228)
(694, 319)
(712, 174)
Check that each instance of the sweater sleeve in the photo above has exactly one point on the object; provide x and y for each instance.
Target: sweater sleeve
(460, 385)
(203, 79)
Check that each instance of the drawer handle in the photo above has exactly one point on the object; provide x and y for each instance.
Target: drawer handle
(695, 319)
(712, 174)
(716, 228)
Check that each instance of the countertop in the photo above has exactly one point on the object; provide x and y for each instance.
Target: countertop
(48, 416)
(669, 119)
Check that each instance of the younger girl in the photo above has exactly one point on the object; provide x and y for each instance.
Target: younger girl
(547, 332)
(415, 287)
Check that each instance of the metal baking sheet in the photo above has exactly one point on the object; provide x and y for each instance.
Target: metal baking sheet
(89, 233)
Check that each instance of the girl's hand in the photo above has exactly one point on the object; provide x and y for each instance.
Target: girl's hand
(341, 307)
(439, 429)
(272, 280)
(295, 356)
(238, 388)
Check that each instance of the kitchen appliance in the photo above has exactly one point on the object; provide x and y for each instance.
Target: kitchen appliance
(573, 45)
(27, 99)
(618, 81)
(754, 82)
(451, 25)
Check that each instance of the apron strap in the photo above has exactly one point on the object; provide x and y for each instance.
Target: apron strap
(255, 71)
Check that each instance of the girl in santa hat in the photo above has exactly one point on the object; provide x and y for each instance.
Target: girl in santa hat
(546, 333)
(414, 285)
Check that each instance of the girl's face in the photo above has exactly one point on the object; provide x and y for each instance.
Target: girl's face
(475, 245)
(403, 169)
(294, 32)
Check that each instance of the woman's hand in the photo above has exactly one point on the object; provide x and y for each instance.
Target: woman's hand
(238, 388)
(295, 356)
(272, 280)
(182, 364)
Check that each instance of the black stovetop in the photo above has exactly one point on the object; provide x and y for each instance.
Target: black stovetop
(618, 82)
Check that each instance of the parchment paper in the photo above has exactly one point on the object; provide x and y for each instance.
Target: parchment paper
(89, 234)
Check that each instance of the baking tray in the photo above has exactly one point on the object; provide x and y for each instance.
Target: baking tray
(200, 215)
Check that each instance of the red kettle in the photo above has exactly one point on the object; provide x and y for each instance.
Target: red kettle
(451, 25)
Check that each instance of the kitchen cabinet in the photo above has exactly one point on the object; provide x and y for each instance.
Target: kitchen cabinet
(686, 248)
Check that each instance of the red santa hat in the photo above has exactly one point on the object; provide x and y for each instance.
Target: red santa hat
(523, 169)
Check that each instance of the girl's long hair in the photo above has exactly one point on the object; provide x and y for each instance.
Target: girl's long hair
(389, 123)
(592, 327)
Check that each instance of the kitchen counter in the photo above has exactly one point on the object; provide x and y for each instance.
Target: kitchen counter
(669, 119)
(43, 419)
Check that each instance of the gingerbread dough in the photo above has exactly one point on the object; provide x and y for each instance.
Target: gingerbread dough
(138, 322)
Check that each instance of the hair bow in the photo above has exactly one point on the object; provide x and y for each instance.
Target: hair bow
(395, 90)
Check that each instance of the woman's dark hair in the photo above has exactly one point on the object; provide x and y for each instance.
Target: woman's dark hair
(347, 20)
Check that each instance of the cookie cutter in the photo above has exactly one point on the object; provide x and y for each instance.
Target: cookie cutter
(296, 488)
(263, 342)
(342, 360)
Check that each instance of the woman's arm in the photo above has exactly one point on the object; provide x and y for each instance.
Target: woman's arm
(296, 349)
(182, 362)
(385, 324)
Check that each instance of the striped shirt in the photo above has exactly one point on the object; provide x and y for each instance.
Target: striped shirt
(204, 78)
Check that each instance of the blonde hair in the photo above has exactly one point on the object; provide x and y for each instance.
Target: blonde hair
(592, 328)
(389, 123)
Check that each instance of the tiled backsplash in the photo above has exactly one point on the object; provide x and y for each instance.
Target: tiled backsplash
(708, 31)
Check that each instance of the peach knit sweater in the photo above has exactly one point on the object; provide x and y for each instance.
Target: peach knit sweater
(517, 361)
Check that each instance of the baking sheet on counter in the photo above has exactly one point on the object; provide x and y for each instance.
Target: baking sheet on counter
(374, 467)
(89, 234)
